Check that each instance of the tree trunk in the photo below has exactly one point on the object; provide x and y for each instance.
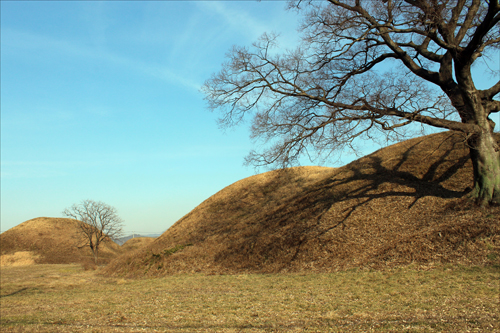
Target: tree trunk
(485, 156)
(94, 249)
(484, 149)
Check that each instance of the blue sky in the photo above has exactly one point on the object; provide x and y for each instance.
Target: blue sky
(100, 100)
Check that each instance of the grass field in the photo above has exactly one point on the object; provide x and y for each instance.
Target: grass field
(65, 298)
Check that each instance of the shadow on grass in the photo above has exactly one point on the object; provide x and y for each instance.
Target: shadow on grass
(15, 292)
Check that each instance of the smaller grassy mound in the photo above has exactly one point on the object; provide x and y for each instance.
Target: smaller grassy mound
(136, 243)
(46, 240)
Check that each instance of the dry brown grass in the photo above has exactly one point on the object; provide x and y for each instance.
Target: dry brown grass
(20, 258)
(136, 243)
(400, 205)
(49, 241)
(64, 298)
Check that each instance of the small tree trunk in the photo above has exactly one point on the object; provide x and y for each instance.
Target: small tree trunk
(485, 156)
(94, 249)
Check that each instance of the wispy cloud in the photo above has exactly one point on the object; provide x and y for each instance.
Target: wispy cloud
(28, 41)
(98, 162)
(34, 169)
(238, 19)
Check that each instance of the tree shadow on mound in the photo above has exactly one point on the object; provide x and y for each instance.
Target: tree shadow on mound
(282, 232)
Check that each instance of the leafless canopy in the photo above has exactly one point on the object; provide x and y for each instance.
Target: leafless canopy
(364, 67)
(97, 222)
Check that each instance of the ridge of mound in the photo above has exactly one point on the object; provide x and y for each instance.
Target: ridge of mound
(47, 240)
(402, 204)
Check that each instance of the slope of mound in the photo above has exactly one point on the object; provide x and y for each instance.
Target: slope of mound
(48, 240)
(20, 258)
(399, 205)
(136, 243)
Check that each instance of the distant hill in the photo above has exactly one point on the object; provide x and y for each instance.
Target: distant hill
(402, 204)
(122, 240)
(47, 240)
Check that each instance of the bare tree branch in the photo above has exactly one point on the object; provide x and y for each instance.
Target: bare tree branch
(365, 66)
(97, 222)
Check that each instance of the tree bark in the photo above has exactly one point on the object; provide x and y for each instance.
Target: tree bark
(484, 149)
(95, 250)
(485, 158)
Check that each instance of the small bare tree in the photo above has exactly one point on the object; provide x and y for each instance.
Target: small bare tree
(97, 222)
(367, 67)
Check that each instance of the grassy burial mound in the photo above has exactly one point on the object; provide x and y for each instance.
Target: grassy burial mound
(402, 204)
(46, 240)
(136, 243)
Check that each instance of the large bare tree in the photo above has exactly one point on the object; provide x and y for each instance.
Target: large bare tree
(97, 223)
(366, 67)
